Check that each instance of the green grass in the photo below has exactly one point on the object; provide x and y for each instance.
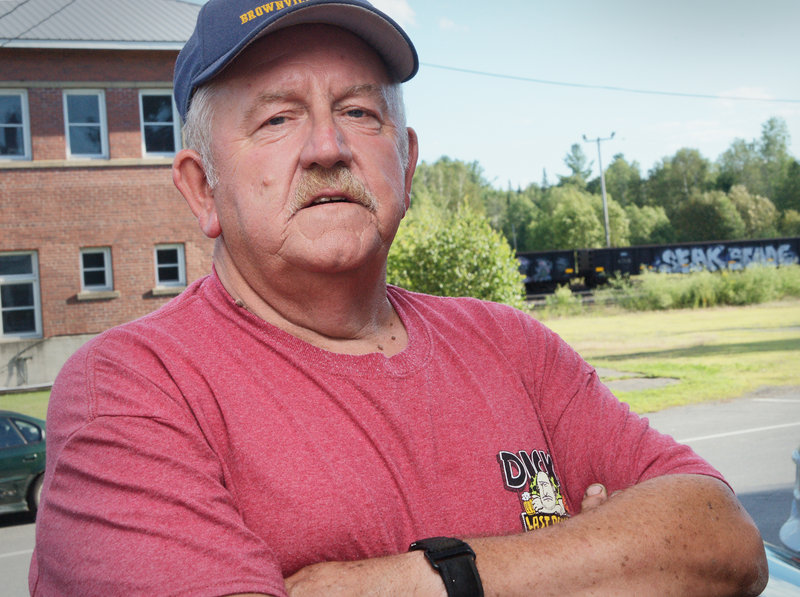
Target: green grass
(29, 403)
(715, 353)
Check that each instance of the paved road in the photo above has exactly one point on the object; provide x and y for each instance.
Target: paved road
(750, 440)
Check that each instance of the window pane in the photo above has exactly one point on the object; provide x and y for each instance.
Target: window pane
(15, 265)
(159, 138)
(94, 260)
(11, 141)
(19, 322)
(16, 295)
(10, 109)
(94, 278)
(169, 274)
(83, 109)
(85, 140)
(157, 108)
(167, 256)
(8, 435)
(29, 431)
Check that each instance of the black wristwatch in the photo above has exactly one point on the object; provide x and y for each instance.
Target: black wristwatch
(454, 560)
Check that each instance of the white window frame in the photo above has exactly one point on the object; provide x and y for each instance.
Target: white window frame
(31, 278)
(176, 126)
(22, 94)
(106, 269)
(181, 266)
(102, 125)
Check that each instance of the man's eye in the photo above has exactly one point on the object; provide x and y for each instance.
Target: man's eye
(357, 113)
(276, 121)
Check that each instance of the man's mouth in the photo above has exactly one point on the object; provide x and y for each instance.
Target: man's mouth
(324, 200)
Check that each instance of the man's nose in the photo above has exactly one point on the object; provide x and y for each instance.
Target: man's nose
(326, 144)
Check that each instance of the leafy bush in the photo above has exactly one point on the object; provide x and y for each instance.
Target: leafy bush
(654, 291)
(456, 254)
(563, 302)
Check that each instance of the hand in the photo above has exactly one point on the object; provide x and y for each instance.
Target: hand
(596, 495)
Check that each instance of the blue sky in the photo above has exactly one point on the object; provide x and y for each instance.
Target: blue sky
(517, 129)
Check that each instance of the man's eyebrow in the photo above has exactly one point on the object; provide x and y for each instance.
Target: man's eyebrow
(265, 98)
(367, 89)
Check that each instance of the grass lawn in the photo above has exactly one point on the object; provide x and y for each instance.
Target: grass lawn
(716, 353)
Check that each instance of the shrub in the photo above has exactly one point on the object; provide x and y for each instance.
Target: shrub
(563, 302)
(655, 291)
(456, 254)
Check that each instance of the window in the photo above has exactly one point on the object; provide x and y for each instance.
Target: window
(161, 132)
(85, 118)
(170, 265)
(96, 269)
(15, 140)
(19, 295)
(32, 433)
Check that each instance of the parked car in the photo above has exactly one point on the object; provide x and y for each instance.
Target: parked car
(22, 456)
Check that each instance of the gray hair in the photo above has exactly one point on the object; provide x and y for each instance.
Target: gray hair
(197, 129)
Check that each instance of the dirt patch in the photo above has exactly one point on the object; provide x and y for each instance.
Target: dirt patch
(624, 381)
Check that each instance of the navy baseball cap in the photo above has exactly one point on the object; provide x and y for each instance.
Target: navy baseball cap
(226, 27)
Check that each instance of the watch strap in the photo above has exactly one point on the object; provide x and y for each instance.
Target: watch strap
(454, 560)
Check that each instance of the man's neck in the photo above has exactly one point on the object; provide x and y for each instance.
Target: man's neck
(347, 313)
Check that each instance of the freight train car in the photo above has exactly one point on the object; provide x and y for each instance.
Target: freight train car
(545, 270)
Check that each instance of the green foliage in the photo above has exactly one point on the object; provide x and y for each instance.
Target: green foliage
(759, 214)
(654, 291)
(568, 220)
(446, 184)
(579, 165)
(618, 224)
(456, 254)
(562, 303)
(649, 225)
(708, 216)
(790, 223)
(624, 182)
(677, 179)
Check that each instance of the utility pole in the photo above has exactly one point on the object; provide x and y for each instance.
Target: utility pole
(602, 182)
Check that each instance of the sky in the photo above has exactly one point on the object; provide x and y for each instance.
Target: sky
(549, 66)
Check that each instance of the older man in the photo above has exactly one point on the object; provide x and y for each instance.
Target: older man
(290, 424)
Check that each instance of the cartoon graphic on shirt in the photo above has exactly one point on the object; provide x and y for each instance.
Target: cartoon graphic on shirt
(532, 476)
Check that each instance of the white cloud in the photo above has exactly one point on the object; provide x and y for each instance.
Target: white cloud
(449, 25)
(399, 10)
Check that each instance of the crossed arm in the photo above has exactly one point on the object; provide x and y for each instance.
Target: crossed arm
(673, 535)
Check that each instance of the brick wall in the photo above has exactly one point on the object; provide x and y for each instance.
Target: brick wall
(125, 202)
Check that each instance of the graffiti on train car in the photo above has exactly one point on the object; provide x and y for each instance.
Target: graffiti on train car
(720, 257)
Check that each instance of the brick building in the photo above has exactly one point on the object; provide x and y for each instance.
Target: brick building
(92, 231)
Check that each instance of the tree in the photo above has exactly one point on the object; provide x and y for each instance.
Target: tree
(673, 181)
(568, 220)
(649, 225)
(447, 184)
(624, 182)
(618, 225)
(788, 192)
(455, 254)
(758, 213)
(708, 216)
(790, 223)
(580, 168)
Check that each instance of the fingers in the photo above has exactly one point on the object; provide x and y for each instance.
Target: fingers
(595, 495)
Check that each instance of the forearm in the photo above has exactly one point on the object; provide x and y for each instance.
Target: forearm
(675, 535)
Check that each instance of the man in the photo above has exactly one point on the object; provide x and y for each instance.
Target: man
(290, 424)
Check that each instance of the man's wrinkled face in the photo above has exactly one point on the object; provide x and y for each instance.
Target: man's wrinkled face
(306, 151)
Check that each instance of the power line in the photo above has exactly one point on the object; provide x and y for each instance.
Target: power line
(609, 87)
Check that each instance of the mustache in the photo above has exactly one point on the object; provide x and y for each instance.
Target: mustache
(339, 178)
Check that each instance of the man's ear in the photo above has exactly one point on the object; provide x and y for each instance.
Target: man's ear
(189, 176)
(413, 156)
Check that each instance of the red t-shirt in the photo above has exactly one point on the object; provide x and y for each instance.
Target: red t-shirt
(201, 451)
